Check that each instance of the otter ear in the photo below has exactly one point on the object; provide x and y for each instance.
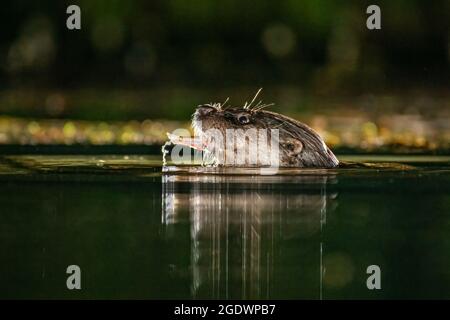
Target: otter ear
(293, 146)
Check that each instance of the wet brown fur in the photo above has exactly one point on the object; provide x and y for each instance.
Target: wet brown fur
(300, 146)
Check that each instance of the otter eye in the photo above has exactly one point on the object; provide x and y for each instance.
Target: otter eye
(243, 119)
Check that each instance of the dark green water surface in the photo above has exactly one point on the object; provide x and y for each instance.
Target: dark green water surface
(136, 232)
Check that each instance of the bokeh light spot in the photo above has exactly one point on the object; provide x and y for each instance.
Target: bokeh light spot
(279, 40)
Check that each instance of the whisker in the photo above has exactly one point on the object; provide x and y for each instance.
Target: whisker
(256, 109)
(225, 102)
(253, 100)
(258, 104)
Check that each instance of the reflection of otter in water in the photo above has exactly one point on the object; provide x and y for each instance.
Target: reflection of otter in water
(298, 144)
(237, 228)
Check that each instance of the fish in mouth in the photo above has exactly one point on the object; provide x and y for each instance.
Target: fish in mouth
(226, 134)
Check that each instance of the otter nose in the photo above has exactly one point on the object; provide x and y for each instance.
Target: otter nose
(205, 109)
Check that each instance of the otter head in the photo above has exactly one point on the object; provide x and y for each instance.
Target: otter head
(298, 144)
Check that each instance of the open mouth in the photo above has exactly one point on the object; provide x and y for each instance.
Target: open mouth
(207, 159)
(192, 142)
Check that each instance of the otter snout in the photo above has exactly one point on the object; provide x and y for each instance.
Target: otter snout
(205, 110)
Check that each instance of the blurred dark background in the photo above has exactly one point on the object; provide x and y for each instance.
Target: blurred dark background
(138, 60)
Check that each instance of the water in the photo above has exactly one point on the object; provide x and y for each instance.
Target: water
(203, 233)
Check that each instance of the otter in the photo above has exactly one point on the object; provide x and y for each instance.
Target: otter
(298, 144)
